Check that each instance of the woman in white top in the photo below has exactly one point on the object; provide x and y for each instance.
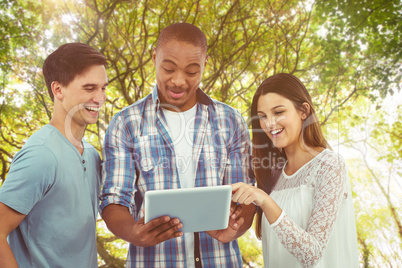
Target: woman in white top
(305, 216)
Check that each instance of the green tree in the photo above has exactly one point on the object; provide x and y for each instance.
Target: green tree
(347, 53)
(378, 169)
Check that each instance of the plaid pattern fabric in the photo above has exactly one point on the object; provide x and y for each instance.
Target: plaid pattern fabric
(139, 156)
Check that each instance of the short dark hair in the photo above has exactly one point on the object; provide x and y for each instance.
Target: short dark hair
(183, 32)
(68, 61)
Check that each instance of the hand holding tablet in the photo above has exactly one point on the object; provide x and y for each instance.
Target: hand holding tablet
(198, 209)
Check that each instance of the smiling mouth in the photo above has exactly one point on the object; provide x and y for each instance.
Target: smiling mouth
(93, 109)
(276, 131)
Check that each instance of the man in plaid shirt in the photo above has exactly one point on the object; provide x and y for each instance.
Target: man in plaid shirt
(176, 137)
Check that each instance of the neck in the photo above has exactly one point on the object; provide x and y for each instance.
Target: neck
(71, 131)
(298, 156)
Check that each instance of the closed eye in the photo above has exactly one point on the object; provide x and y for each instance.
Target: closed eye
(168, 70)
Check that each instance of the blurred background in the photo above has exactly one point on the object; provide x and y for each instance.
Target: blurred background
(348, 54)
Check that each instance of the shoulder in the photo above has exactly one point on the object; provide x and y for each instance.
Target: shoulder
(222, 107)
(41, 137)
(331, 159)
(139, 107)
(35, 157)
(331, 167)
(35, 162)
(132, 115)
(225, 112)
(39, 148)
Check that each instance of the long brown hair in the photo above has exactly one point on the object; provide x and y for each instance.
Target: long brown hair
(267, 159)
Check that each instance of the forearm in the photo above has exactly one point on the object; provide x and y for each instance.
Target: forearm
(7, 259)
(271, 209)
(119, 221)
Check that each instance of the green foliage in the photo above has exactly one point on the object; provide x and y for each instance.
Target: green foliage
(251, 250)
(370, 30)
(346, 52)
(18, 20)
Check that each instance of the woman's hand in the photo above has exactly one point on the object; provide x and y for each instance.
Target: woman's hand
(247, 194)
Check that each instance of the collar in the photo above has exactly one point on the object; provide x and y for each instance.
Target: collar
(202, 98)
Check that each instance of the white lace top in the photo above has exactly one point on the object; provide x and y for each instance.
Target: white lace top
(317, 226)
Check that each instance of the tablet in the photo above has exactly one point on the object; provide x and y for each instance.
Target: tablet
(198, 209)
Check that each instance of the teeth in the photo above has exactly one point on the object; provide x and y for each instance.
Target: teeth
(276, 131)
(92, 109)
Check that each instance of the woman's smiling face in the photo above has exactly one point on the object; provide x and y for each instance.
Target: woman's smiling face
(280, 120)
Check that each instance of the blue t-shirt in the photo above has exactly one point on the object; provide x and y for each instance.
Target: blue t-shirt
(57, 189)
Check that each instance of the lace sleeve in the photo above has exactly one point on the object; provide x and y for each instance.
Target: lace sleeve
(308, 245)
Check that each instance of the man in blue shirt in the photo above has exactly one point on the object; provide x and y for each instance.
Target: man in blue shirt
(176, 137)
(49, 200)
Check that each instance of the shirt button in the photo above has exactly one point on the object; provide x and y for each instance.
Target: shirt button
(83, 161)
(197, 259)
(85, 169)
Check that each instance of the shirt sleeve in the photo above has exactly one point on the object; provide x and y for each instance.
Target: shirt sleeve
(239, 152)
(308, 245)
(118, 166)
(32, 174)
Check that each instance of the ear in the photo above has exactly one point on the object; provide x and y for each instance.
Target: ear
(206, 60)
(154, 55)
(57, 90)
(306, 111)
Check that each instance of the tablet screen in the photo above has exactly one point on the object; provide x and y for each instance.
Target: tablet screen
(198, 209)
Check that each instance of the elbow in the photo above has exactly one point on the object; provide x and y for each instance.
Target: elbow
(314, 257)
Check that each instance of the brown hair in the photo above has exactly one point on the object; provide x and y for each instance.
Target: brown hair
(183, 32)
(68, 61)
(292, 88)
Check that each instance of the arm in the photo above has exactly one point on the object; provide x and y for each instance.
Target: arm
(31, 173)
(327, 202)
(9, 220)
(119, 189)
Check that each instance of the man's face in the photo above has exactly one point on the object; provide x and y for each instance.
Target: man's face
(84, 96)
(179, 68)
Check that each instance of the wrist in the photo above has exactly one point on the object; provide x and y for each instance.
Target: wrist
(271, 210)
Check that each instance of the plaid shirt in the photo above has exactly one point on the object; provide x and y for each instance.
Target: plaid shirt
(139, 156)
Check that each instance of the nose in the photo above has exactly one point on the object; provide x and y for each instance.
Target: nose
(270, 122)
(178, 79)
(99, 96)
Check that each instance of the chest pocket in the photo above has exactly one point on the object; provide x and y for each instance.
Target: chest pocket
(214, 160)
(151, 152)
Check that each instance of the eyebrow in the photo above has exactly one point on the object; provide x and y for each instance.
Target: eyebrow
(94, 85)
(278, 106)
(172, 62)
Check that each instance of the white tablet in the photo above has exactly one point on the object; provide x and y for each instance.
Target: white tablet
(198, 209)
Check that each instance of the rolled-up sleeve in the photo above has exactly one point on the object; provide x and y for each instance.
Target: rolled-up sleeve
(118, 165)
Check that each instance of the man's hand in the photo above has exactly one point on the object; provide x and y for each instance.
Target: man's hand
(120, 222)
(155, 231)
(236, 225)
